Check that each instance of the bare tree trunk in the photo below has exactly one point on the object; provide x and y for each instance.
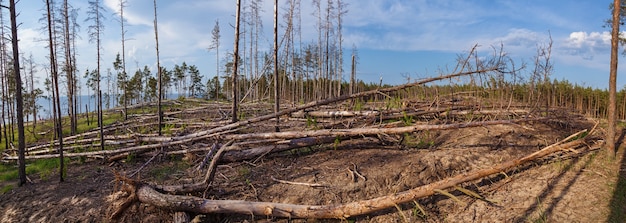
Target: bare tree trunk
(4, 81)
(69, 69)
(236, 64)
(156, 37)
(18, 96)
(613, 76)
(276, 82)
(352, 75)
(55, 83)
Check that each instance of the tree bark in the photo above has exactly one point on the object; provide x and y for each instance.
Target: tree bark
(235, 91)
(18, 95)
(613, 77)
(276, 82)
(156, 38)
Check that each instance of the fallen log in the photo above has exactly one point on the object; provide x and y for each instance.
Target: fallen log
(371, 131)
(333, 114)
(170, 141)
(234, 154)
(147, 194)
(123, 153)
(324, 102)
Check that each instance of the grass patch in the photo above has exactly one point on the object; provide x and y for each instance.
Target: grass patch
(6, 188)
(44, 168)
(7, 173)
(423, 141)
(168, 171)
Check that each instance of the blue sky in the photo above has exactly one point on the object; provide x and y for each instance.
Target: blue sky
(396, 39)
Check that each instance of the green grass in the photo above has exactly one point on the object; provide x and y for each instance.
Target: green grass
(44, 168)
(422, 141)
(32, 136)
(6, 188)
(168, 170)
(7, 173)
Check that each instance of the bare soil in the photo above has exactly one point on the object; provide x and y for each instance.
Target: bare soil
(558, 189)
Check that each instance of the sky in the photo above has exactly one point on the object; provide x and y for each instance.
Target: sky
(396, 39)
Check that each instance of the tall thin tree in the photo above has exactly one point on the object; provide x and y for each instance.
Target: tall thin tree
(18, 96)
(276, 82)
(236, 63)
(55, 83)
(215, 44)
(95, 14)
(613, 77)
(122, 4)
(69, 68)
(156, 38)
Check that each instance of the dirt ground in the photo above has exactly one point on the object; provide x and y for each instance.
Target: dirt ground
(574, 189)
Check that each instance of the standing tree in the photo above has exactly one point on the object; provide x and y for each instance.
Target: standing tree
(122, 4)
(215, 44)
(276, 82)
(122, 83)
(160, 83)
(55, 83)
(18, 96)
(95, 34)
(33, 94)
(69, 68)
(196, 88)
(235, 64)
(355, 55)
(613, 75)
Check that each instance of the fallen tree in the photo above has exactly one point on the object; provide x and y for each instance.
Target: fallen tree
(148, 194)
(122, 153)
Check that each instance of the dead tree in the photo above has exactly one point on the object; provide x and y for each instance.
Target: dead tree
(215, 44)
(95, 32)
(69, 69)
(55, 83)
(18, 95)
(147, 194)
(236, 64)
(160, 79)
(276, 82)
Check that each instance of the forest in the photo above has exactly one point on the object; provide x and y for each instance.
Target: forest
(215, 151)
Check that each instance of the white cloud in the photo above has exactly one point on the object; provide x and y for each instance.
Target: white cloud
(586, 45)
(130, 15)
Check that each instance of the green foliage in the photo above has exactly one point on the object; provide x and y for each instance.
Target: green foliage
(6, 188)
(311, 122)
(393, 103)
(336, 142)
(407, 119)
(419, 212)
(130, 157)
(423, 142)
(358, 105)
(168, 170)
(243, 172)
(43, 167)
(8, 173)
(167, 129)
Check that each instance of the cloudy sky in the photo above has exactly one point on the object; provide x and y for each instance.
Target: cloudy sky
(395, 38)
